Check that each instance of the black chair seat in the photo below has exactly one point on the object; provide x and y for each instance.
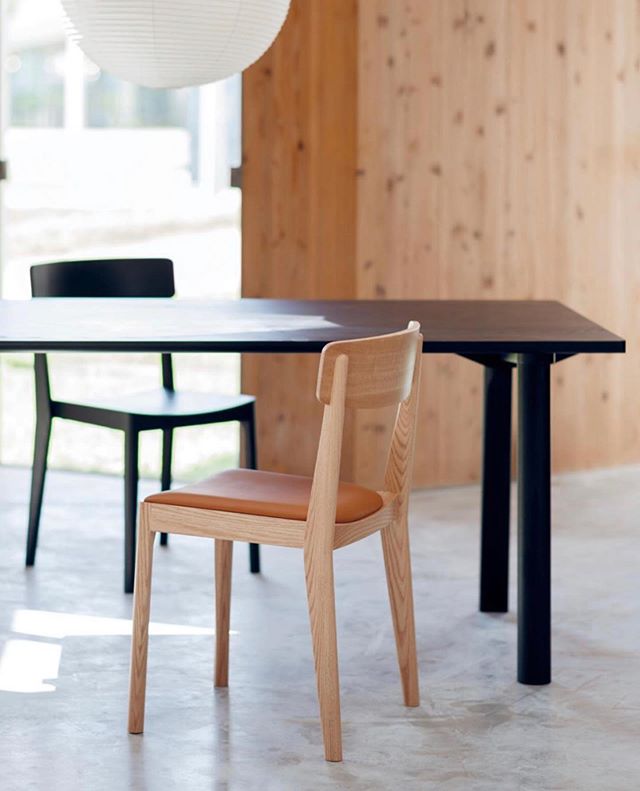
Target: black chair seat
(159, 408)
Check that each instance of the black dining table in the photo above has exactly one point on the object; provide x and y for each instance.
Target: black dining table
(530, 336)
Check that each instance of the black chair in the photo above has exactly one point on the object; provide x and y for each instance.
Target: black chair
(163, 408)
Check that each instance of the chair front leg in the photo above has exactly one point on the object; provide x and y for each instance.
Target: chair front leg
(224, 557)
(140, 634)
(318, 565)
(40, 452)
(397, 564)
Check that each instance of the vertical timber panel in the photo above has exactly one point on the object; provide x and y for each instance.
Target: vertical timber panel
(298, 211)
(498, 156)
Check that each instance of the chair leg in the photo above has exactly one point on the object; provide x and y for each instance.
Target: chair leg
(39, 471)
(397, 563)
(165, 481)
(251, 461)
(224, 556)
(140, 633)
(131, 441)
(322, 615)
(254, 558)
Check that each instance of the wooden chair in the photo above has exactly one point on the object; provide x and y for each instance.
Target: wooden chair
(163, 408)
(316, 514)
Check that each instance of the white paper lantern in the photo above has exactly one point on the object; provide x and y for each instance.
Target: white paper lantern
(174, 43)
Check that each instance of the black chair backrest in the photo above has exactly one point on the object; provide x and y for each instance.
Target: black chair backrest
(120, 277)
(117, 277)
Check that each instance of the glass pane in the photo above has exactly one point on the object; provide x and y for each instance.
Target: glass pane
(102, 168)
(36, 86)
(112, 102)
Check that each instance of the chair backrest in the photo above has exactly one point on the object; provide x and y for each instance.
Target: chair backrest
(365, 373)
(380, 369)
(116, 277)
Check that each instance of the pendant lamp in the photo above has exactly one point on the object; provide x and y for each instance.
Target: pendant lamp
(174, 43)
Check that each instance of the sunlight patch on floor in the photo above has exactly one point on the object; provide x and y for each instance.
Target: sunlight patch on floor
(25, 664)
(45, 623)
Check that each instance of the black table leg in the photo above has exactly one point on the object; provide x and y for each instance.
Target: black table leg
(496, 486)
(534, 520)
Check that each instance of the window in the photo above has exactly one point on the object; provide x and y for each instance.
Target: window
(36, 86)
(114, 103)
(102, 168)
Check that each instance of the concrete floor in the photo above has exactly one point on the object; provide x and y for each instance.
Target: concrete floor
(64, 632)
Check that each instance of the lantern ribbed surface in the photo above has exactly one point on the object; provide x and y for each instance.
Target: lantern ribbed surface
(174, 43)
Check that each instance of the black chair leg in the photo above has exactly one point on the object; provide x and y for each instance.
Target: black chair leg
(39, 471)
(251, 461)
(131, 442)
(254, 558)
(165, 480)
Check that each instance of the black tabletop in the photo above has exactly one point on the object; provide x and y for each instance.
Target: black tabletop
(266, 325)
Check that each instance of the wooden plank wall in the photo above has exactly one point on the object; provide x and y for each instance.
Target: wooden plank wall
(299, 210)
(498, 155)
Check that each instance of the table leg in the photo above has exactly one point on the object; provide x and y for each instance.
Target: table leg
(534, 520)
(496, 487)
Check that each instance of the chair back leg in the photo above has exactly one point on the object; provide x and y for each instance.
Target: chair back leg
(38, 473)
(318, 567)
(223, 564)
(251, 462)
(140, 635)
(397, 564)
(131, 442)
(165, 479)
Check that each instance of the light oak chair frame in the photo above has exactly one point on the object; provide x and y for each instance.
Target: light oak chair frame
(360, 374)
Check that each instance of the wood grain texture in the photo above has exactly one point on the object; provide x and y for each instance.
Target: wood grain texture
(318, 559)
(379, 372)
(228, 526)
(298, 208)
(223, 566)
(397, 564)
(395, 538)
(141, 611)
(349, 533)
(497, 156)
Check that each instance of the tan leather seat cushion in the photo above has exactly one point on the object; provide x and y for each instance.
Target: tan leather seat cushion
(267, 494)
